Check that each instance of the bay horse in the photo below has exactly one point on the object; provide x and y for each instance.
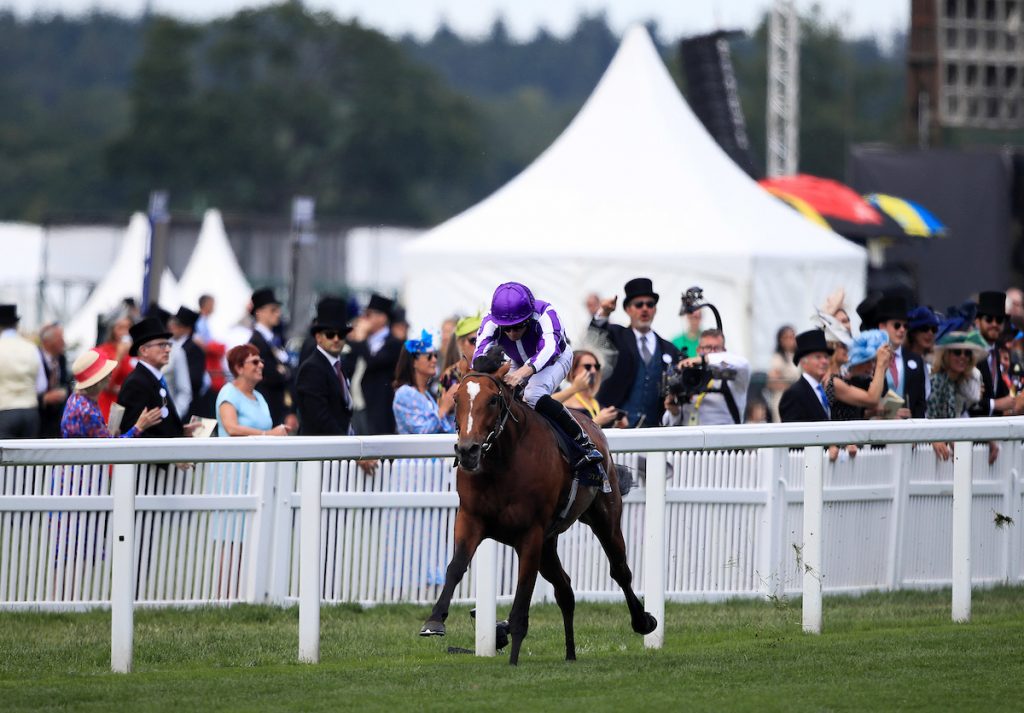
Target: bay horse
(514, 486)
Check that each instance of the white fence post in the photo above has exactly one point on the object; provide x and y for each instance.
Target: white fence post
(282, 524)
(962, 505)
(902, 455)
(261, 529)
(309, 563)
(122, 586)
(485, 568)
(654, 548)
(771, 462)
(813, 505)
(1016, 534)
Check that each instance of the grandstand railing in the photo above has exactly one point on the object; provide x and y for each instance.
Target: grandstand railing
(721, 510)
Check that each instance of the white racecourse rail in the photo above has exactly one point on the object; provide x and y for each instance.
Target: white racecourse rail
(718, 512)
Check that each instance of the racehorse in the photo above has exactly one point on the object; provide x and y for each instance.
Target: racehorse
(515, 487)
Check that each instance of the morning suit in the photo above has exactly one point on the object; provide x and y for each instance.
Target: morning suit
(276, 386)
(57, 376)
(800, 402)
(913, 388)
(990, 388)
(617, 386)
(324, 402)
(140, 391)
(376, 382)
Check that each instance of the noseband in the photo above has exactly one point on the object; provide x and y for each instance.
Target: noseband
(499, 425)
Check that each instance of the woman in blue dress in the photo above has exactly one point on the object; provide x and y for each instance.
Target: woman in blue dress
(416, 409)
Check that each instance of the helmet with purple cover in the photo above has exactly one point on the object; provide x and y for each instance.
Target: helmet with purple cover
(512, 303)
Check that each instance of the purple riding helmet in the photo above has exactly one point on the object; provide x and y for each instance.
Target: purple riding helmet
(512, 303)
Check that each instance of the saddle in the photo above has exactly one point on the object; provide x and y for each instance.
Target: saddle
(571, 453)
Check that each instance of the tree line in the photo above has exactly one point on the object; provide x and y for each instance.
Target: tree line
(245, 111)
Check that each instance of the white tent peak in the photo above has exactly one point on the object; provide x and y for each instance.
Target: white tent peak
(636, 186)
(213, 270)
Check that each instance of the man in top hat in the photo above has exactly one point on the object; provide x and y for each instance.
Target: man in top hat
(805, 399)
(22, 379)
(866, 311)
(146, 388)
(322, 389)
(188, 378)
(373, 344)
(276, 384)
(989, 320)
(906, 376)
(634, 385)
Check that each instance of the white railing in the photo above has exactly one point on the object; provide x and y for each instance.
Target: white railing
(731, 519)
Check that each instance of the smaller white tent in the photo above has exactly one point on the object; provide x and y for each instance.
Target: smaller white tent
(123, 279)
(213, 270)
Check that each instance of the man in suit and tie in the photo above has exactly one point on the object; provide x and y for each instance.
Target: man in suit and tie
(276, 385)
(190, 382)
(805, 399)
(995, 393)
(906, 375)
(634, 385)
(58, 380)
(146, 387)
(322, 390)
(372, 342)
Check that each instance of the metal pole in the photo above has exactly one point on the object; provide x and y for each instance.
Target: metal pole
(309, 563)
(962, 497)
(485, 566)
(654, 548)
(813, 497)
(122, 586)
(156, 258)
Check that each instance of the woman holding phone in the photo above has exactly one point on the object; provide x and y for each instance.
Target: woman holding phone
(581, 394)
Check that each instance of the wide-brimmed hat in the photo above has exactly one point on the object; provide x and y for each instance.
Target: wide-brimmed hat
(809, 342)
(380, 303)
(262, 297)
(892, 307)
(963, 340)
(90, 368)
(992, 304)
(186, 317)
(639, 287)
(467, 325)
(9, 314)
(331, 314)
(865, 347)
(922, 317)
(146, 331)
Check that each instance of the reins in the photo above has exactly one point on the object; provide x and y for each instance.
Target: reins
(504, 415)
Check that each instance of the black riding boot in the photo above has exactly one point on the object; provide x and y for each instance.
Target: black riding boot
(549, 407)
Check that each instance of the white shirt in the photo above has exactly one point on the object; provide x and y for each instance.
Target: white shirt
(180, 381)
(642, 337)
(376, 340)
(711, 409)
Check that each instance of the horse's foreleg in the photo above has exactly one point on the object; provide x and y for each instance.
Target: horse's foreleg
(551, 569)
(529, 551)
(468, 533)
(605, 523)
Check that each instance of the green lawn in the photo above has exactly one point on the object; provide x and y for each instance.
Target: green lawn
(879, 652)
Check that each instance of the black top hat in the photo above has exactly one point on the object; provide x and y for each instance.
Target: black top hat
(866, 311)
(262, 297)
(186, 317)
(992, 304)
(9, 315)
(809, 342)
(146, 331)
(380, 303)
(892, 307)
(639, 287)
(331, 313)
(155, 310)
(398, 315)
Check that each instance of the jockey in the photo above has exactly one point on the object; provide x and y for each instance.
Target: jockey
(532, 336)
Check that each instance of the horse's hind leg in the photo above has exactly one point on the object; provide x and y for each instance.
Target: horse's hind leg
(467, 539)
(529, 551)
(606, 526)
(551, 569)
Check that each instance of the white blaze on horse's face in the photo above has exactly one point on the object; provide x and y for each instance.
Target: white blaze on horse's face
(473, 389)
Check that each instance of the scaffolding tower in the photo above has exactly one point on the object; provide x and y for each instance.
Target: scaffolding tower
(783, 111)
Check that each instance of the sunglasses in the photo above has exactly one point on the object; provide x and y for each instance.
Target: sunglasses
(157, 345)
(992, 319)
(591, 367)
(930, 328)
(516, 327)
(960, 352)
(896, 324)
(255, 361)
(640, 304)
(331, 334)
(428, 355)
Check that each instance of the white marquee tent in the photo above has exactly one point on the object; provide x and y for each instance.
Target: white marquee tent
(123, 279)
(213, 270)
(636, 186)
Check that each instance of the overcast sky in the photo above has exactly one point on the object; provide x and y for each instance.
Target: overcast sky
(474, 17)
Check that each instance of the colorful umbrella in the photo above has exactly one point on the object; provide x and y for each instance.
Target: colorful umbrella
(914, 218)
(843, 208)
(800, 206)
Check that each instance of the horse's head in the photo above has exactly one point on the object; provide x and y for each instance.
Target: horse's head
(482, 405)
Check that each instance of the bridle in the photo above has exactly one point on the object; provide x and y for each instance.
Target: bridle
(505, 412)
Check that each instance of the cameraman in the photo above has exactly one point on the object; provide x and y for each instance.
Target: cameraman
(711, 405)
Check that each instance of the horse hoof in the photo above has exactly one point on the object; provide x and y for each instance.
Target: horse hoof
(646, 625)
(432, 628)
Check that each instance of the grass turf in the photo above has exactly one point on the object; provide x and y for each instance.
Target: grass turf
(893, 651)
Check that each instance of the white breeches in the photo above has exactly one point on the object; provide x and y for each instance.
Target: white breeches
(548, 379)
